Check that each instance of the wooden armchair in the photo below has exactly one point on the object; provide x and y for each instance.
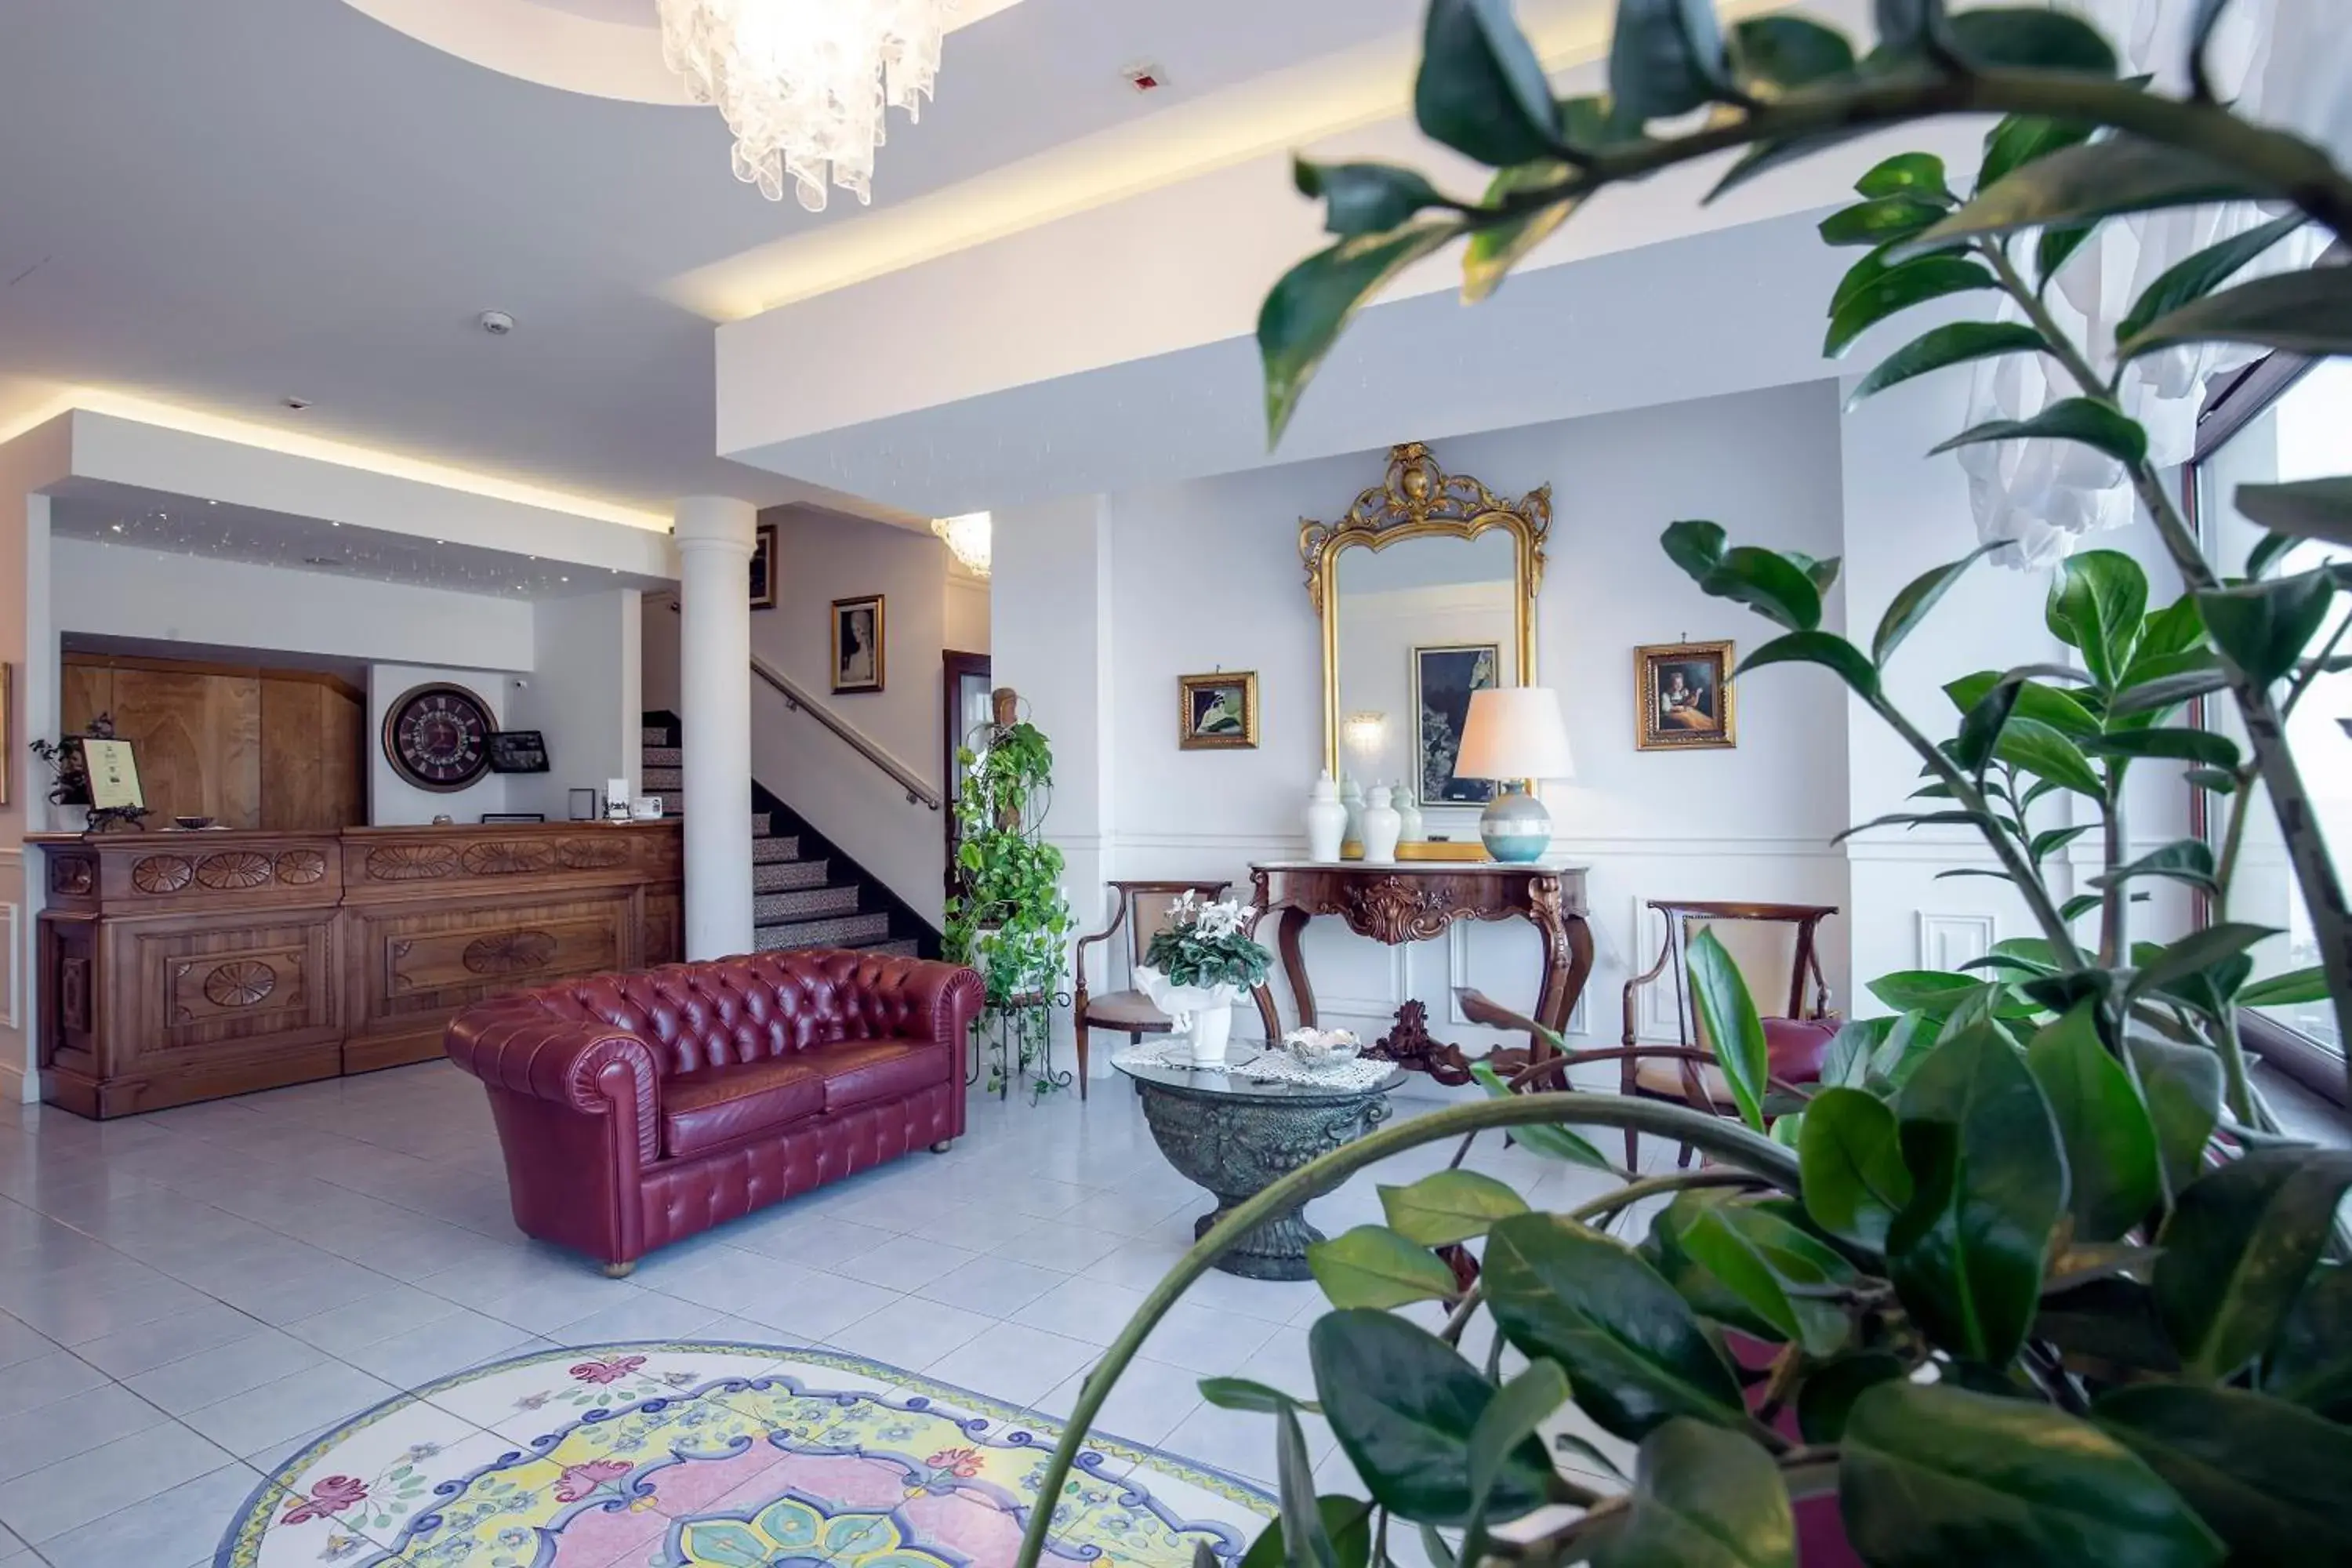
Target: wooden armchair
(1141, 912)
(1767, 941)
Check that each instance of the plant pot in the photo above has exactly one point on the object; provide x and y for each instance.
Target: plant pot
(1212, 1028)
(1204, 1015)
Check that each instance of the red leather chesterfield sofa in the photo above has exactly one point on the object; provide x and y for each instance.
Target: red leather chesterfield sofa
(637, 1108)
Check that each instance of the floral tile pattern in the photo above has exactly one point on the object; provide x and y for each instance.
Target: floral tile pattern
(719, 1454)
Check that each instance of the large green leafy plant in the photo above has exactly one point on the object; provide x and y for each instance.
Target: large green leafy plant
(1007, 917)
(2031, 1275)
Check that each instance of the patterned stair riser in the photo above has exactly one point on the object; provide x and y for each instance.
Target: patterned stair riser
(846, 930)
(664, 782)
(655, 735)
(766, 851)
(664, 757)
(802, 904)
(779, 876)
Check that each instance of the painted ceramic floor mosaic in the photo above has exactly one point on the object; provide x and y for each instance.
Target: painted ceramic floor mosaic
(708, 1454)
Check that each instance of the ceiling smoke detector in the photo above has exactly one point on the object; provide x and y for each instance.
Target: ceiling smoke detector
(1145, 76)
(498, 323)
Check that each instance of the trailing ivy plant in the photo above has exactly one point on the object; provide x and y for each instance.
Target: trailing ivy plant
(2031, 1275)
(1007, 917)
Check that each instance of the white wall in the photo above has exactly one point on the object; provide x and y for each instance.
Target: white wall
(967, 614)
(29, 646)
(584, 695)
(392, 801)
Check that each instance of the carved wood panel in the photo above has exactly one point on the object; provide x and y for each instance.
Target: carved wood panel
(247, 983)
(220, 989)
(429, 960)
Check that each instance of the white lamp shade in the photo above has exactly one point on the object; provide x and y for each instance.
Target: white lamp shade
(1515, 732)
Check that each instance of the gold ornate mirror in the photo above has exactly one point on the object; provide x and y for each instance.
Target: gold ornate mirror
(1426, 590)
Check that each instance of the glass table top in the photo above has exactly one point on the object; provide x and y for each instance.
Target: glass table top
(1236, 1082)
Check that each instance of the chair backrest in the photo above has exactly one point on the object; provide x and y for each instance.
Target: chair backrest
(1773, 945)
(1143, 910)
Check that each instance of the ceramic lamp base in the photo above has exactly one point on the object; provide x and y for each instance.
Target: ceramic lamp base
(1516, 828)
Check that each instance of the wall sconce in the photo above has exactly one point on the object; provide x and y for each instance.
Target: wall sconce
(1364, 733)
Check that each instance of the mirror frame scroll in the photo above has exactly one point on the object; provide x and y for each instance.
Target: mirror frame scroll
(1417, 498)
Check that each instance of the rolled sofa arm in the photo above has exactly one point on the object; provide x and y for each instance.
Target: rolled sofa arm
(518, 1045)
(940, 1000)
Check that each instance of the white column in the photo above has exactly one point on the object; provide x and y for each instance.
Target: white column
(714, 554)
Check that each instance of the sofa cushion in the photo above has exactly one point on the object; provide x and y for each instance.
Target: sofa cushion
(861, 1073)
(711, 1106)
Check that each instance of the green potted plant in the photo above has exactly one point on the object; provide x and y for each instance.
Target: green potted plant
(2031, 1276)
(1198, 965)
(1007, 917)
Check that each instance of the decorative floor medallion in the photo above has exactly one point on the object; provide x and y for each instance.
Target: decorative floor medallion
(711, 1455)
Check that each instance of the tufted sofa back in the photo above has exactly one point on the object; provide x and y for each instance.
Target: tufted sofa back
(757, 1006)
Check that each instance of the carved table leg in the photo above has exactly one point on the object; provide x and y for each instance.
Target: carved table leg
(1567, 964)
(1294, 962)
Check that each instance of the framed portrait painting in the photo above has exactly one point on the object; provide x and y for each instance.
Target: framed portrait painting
(1683, 697)
(763, 567)
(1219, 711)
(1443, 677)
(857, 644)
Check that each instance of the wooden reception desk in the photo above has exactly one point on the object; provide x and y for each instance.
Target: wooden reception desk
(185, 966)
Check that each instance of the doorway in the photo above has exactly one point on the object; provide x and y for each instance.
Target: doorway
(963, 707)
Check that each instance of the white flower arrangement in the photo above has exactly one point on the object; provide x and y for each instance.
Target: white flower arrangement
(1208, 944)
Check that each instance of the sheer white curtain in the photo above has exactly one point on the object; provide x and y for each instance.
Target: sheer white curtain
(2285, 62)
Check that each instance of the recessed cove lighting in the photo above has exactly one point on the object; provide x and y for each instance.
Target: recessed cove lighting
(296, 403)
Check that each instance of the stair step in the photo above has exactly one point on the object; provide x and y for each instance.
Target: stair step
(762, 824)
(905, 947)
(663, 781)
(840, 930)
(803, 904)
(664, 757)
(655, 735)
(781, 876)
(768, 851)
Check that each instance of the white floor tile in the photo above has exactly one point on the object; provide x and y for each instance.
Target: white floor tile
(1094, 1310)
(225, 1371)
(997, 1286)
(911, 1330)
(74, 1492)
(181, 1525)
(1013, 1362)
(903, 1263)
(1145, 1403)
(371, 1320)
(19, 1344)
(35, 1439)
(435, 1351)
(184, 1334)
(45, 1380)
(267, 1418)
(1060, 1244)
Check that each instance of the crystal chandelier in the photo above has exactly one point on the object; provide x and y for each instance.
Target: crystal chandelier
(803, 83)
(967, 538)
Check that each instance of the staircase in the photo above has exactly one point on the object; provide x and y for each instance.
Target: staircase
(804, 893)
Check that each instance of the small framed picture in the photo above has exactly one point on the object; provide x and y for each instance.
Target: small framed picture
(1683, 697)
(764, 568)
(113, 775)
(1443, 677)
(1219, 711)
(857, 644)
(497, 816)
(518, 751)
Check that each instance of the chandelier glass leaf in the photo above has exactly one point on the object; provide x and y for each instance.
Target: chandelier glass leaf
(803, 83)
(969, 538)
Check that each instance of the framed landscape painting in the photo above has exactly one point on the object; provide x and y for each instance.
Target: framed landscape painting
(1443, 677)
(1681, 698)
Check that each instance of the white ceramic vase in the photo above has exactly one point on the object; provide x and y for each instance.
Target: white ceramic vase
(1211, 1028)
(1351, 800)
(1326, 821)
(1409, 814)
(1381, 826)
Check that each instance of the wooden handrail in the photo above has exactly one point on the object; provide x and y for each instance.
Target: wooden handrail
(795, 697)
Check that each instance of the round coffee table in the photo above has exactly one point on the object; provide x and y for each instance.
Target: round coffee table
(1236, 1137)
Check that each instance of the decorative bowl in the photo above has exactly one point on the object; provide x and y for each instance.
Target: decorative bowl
(1323, 1047)
(192, 822)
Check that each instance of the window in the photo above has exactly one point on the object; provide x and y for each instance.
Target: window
(2283, 421)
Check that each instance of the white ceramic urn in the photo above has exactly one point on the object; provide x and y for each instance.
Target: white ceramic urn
(1327, 820)
(1381, 826)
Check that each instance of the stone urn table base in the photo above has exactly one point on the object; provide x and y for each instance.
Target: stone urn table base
(1236, 1138)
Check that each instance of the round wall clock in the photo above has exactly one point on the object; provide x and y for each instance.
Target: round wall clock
(437, 736)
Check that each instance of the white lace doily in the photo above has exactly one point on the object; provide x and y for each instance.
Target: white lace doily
(1266, 1066)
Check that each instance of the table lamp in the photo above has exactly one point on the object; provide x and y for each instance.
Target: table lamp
(1514, 734)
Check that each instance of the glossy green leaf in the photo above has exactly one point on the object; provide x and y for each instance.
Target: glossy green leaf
(1898, 288)
(1246, 1394)
(2201, 274)
(1981, 725)
(2309, 509)
(1364, 198)
(2042, 703)
(2281, 990)
(1902, 24)
(1403, 1405)
(1770, 55)
(2053, 248)
(2175, 629)
(2079, 419)
(1372, 1265)
(1826, 1396)
(2186, 860)
(2268, 1477)
(2181, 1086)
(1504, 1428)
(1696, 546)
(1933, 1475)
(1769, 582)
(1555, 1142)
(1633, 1350)
(1481, 90)
(2305, 312)
(2035, 747)
(1880, 221)
(2031, 38)
(2310, 1360)
(1989, 1182)
(2020, 138)
(2096, 604)
(2110, 1144)
(2261, 628)
(1775, 1269)
(1305, 1543)
(2166, 692)
(1703, 1498)
(1934, 991)
(1918, 596)
(1666, 57)
(1447, 1206)
(1497, 247)
(1826, 649)
(2094, 180)
(2239, 1243)
(2206, 746)
(2196, 953)
(2050, 840)
(1915, 819)
(1939, 348)
(1851, 1157)
(1306, 310)
(1728, 1022)
(1905, 173)
(1347, 1524)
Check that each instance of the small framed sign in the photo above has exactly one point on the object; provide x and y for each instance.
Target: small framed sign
(518, 751)
(113, 775)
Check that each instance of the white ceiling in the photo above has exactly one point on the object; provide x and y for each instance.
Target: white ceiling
(128, 516)
(222, 205)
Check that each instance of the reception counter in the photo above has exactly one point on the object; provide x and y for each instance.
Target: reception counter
(180, 966)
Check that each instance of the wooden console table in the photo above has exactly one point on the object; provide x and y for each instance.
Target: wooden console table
(185, 966)
(1393, 904)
